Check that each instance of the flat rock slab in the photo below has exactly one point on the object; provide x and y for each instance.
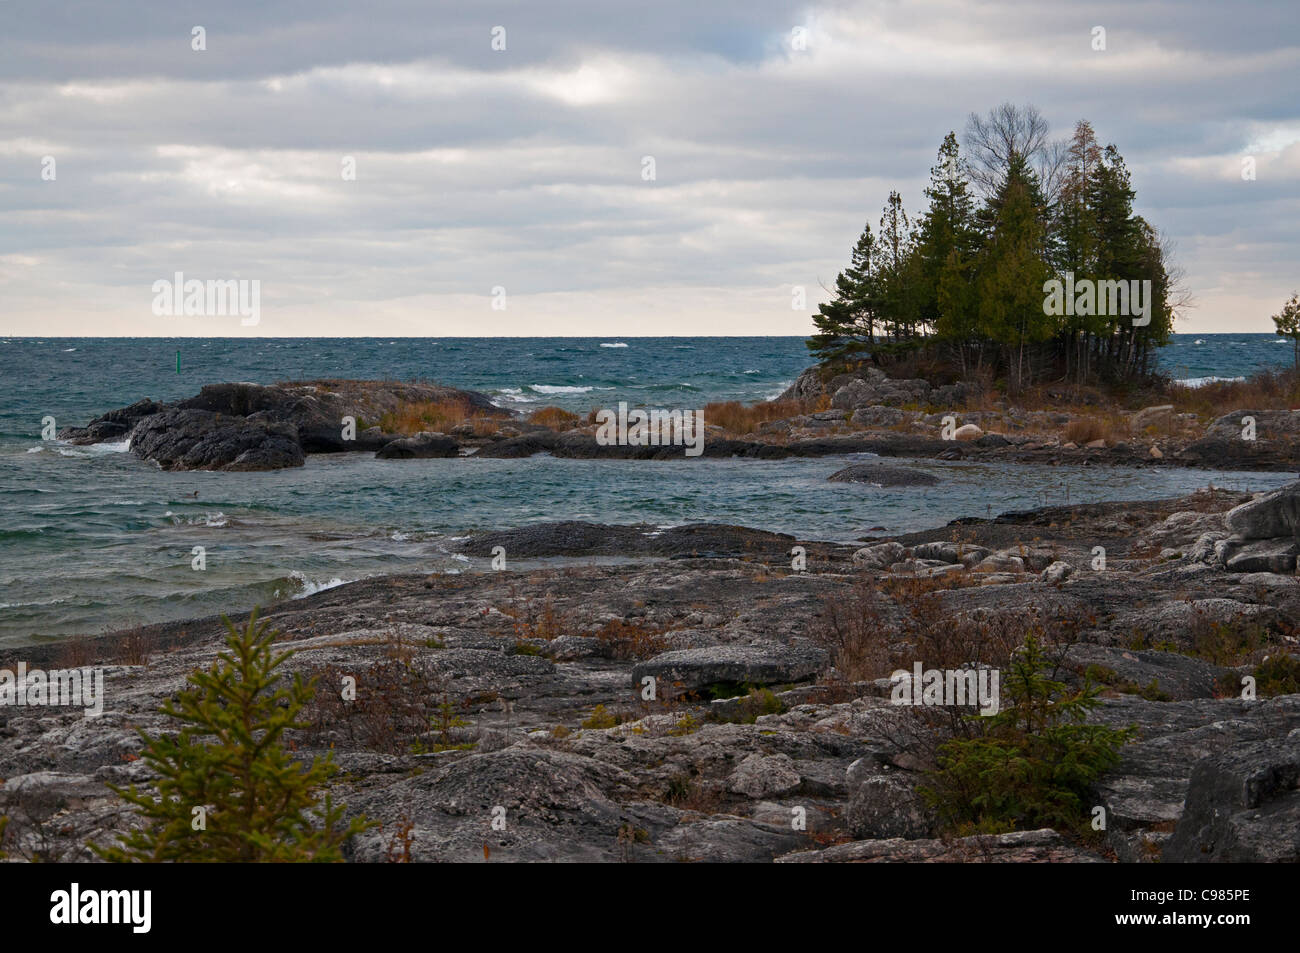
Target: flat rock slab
(1147, 791)
(691, 669)
(1181, 677)
(1043, 846)
(578, 538)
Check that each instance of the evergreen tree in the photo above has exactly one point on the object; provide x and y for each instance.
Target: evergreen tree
(847, 324)
(1074, 244)
(1032, 764)
(948, 241)
(1012, 271)
(972, 279)
(1287, 322)
(897, 276)
(228, 790)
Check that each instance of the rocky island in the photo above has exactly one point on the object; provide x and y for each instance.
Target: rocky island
(244, 426)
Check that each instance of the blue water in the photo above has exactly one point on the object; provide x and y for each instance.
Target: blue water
(92, 538)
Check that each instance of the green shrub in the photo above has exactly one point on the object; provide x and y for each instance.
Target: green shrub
(1032, 764)
(758, 702)
(686, 725)
(1278, 675)
(228, 790)
(601, 717)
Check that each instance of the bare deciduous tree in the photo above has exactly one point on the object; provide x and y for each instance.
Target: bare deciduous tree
(1007, 131)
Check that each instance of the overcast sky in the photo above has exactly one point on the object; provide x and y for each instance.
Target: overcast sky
(523, 168)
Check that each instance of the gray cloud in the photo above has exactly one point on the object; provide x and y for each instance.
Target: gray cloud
(523, 168)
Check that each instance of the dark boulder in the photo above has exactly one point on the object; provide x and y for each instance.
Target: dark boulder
(1264, 555)
(1243, 806)
(879, 475)
(421, 446)
(887, 805)
(180, 439)
(1270, 516)
(113, 425)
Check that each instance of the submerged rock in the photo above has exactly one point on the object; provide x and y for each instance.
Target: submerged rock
(880, 475)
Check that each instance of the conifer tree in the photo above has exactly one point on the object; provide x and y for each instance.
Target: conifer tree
(228, 789)
(1074, 246)
(948, 241)
(897, 277)
(1287, 322)
(972, 280)
(846, 325)
(1012, 271)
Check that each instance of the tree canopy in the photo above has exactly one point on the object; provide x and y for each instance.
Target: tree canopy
(971, 278)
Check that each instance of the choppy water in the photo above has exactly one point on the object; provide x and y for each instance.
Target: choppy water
(92, 538)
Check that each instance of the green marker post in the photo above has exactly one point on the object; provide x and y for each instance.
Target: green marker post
(178, 362)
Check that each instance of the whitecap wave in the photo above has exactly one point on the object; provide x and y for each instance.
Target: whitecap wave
(309, 587)
(560, 389)
(614, 344)
(1201, 381)
(214, 520)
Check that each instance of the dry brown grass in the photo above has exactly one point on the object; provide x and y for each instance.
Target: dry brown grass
(79, 652)
(630, 640)
(394, 705)
(903, 588)
(1110, 427)
(1084, 430)
(735, 417)
(539, 622)
(852, 630)
(557, 418)
(1266, 390)
(435, 415)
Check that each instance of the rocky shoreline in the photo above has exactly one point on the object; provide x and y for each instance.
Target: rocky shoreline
(774, 705)
(241, 426)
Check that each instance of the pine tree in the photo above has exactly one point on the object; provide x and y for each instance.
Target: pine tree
(897, 276)
(1074, 243)
(1012, 271)
(973, 280)
(228, 791)
(846, 324)
(948, 241)
(1287, 323)
(1034, 762)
